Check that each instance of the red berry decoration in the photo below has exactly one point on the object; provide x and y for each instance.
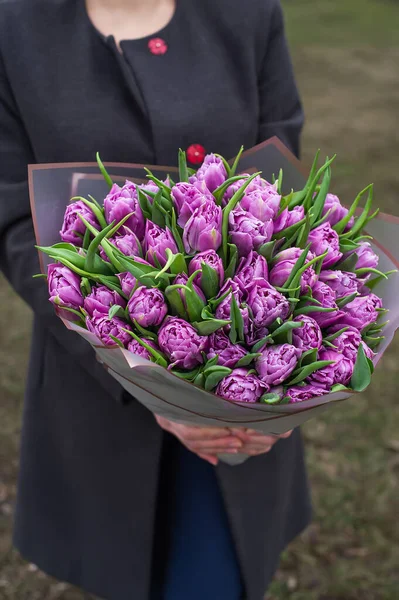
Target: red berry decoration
(157, 46)
(195, 154)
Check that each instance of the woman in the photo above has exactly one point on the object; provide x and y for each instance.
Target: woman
(109, 499)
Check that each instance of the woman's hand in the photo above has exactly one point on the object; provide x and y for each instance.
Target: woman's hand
(206, 442)
(255, 443)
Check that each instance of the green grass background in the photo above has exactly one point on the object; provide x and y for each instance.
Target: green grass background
(346, 57)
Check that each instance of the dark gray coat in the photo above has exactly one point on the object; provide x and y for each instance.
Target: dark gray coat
(90, 463)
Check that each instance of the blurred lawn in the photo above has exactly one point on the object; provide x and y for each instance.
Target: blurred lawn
(346, 55)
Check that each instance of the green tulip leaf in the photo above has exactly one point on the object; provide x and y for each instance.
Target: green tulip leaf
(145, 332)
(85, 286)
(298, 265)
(348, 246)
(215, 377)
(318, 203)
(221, 190)
(156, 355)
(239, 194)
(361, 376)
(165, 188)
(183, 173)
(209, 326)
(270, 398)
(307, 203)
(304, 372)
(232, 263)
(344, 300)
(306, 310)
(237, 322)
(104, 171)
(361, 221)
(211, 362)
(209, 281)
(303, 233)
(117, 341)
(186, 375)
(333, 336)
(308, 357)
(338, 387)
(175, 302)
(199, 380)
(289, 231)
(116, 311)
(247, 359)
(233, 169)
(267, 250)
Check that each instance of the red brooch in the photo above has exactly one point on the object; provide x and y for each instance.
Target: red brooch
(195, 154)
(157, 46)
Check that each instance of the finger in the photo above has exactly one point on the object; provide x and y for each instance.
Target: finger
(162, 422)
(256, 438)
(213, 460)
(255, 450)
(287, 434)
(222, 444)
(202, 433)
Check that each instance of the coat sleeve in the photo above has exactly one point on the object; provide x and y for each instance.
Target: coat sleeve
(280, 107)
(18, 257)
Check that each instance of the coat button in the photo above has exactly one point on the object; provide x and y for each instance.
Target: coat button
(195, 154)
(157, 46)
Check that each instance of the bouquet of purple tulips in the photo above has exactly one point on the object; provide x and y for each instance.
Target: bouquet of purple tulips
(221, 281)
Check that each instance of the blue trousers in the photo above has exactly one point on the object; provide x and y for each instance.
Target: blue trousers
(199, 559)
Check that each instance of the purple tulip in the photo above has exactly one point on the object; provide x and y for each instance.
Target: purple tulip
(266, 303)
(229, 354)
(256, 184)
(210, 258)
(203, 231)
(128, 282)
(64, 290)
(326, 297)
(212, 172)
(182, 280)
(247, 232)
(368, 351)
(128, 244)
(339, 372)
(261, 203)
(254, 334)
(347, 342)
(250, 267)
(342, 283)
(337, 211)
(147, 306)
(73, 228)
(103, 327)
(187, 197)
(308, 336)
(299, 393)
(368, 259)
(241, 386)
(284, 262)
(135, 347)
(276, 363)
(288, 218)
(122, 201)
(223, 310)
(149, 187)
(156, 241)
(362, 311)
(181, 343)
(100, 300)
(325, 238)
